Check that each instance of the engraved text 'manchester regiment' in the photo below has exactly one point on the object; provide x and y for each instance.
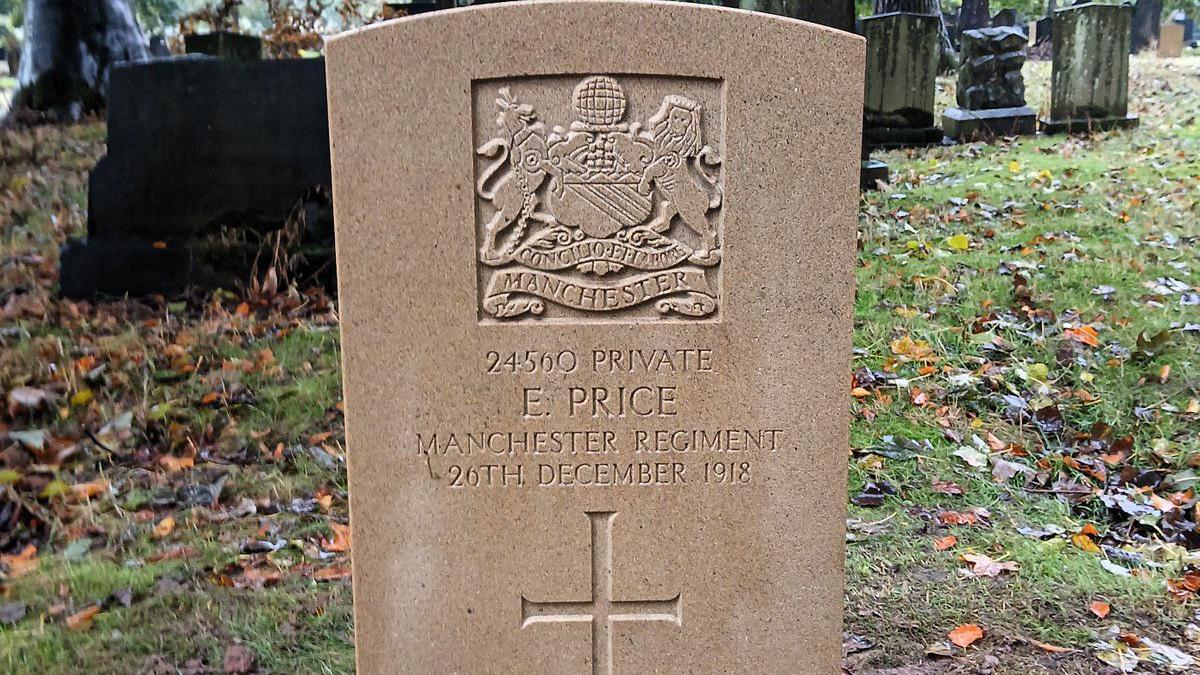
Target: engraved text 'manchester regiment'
(588, 217)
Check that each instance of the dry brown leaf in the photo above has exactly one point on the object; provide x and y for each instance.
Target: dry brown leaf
(983, 565)
(82, 620)
(331, 573)
(1053, 649)
(89, 489)
(173, 464)
(945, 542)
(966, 635)
(1100, 609)
(341, 539)
(22, 563)
(1083, 334)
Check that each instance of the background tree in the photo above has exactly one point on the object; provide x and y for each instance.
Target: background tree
(69, 48)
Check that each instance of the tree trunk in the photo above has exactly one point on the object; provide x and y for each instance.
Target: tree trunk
(974, 14)
(1147, 18)
(70, 45)
(833, 13)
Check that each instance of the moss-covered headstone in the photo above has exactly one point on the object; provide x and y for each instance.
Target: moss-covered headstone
(1090, 78)
(902, 61)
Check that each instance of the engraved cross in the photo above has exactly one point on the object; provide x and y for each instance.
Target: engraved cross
(601, 611)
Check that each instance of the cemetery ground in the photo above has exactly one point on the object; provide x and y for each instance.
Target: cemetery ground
(1024, 452)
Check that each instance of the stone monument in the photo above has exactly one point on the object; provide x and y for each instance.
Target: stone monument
(1170, 41)
(901, 79)
(224, 44)
(1089, 82)
(596, 281)
(991, 89)
(197, 144)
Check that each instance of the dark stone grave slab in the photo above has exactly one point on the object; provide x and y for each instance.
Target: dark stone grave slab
(198, 146)
(1005, 17)
(225, 45)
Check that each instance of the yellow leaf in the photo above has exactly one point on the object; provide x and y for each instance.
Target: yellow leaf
(55, 488)
(164, 527)
(1084, 543)
(959, 242)
(1039, 372)
(9, 476)
(1014, 166)
(81, 398)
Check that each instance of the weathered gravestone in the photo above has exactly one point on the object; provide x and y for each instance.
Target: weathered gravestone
(196, 144)
(973, 14)
(224, 44)
(596, 306)
(901, 79)
(1170, 41)
(1005, 17)
(991, 89)
(1089, 82)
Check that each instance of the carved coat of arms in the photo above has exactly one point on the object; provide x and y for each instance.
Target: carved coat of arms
(600, 216)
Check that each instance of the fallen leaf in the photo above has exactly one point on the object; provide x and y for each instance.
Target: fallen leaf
(1084, 543)
(27, 399)
(983, 565)
(1053, 649)
(947, 487)
(89, 489)
(945, 542)
(174, 464)
(163, 527)
(972, 456)
(966, 635)
(959, 242)
(341, 539)
(1100, 609)
(82, 620)
(1083, 334)
(20, 564)
(331, 573)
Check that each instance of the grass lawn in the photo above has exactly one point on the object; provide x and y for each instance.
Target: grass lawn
(1024, 446)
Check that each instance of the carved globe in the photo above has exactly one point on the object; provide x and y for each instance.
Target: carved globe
(599, 100)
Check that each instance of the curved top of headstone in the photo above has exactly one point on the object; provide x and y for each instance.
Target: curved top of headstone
(1094, 6)
(994, 33)
(645, 8)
